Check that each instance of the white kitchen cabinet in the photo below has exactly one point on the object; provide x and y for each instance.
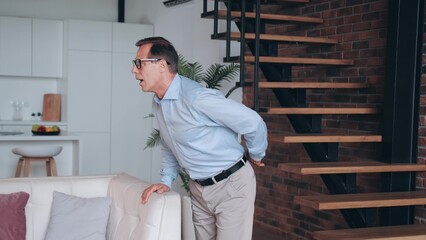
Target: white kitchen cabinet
(126, 35)
(89, 91)
(15, 46)
(95, 153)
(31, 47)
(89, 35)
(88, 88)
(129, 127)
(105, 103)
(47, 52)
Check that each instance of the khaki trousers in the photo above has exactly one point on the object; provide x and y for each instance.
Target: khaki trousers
(224, 211)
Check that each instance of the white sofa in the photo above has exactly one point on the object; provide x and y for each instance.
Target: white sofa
(159, 219)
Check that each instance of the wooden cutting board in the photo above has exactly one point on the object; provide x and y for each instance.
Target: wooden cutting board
(51, 107)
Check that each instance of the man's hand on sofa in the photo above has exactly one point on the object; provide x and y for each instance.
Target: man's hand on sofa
(159, 188)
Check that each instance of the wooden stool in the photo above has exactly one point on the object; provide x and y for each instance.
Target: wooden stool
(29, 154)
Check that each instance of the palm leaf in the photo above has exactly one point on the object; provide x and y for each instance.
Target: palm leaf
(217, 73)
(153, 140)
(192, 71)
(185, 179)
(151, 115)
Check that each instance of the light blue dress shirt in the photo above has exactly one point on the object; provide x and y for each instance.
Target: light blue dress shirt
(199, 130)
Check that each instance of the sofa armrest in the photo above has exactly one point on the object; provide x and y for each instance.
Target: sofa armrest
(160, 218)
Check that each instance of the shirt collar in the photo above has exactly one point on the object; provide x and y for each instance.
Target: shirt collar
(173, 90)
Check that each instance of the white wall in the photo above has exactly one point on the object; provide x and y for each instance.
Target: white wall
(184, 27)
(102, 10)
(24, 89)
(181, 24)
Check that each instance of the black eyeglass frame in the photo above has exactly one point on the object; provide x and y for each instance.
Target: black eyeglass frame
(138, 62)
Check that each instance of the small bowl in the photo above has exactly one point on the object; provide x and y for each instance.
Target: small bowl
(46, 133)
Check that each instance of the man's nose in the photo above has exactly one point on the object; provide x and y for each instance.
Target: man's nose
(134, 69)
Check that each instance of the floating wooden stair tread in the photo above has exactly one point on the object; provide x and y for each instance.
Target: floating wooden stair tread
(349, 167)
(294, 60)
(308, 110)
(400, 232)
(362, 200)
(280, 38)
(265, 16)
(323, 138)
(330, 85)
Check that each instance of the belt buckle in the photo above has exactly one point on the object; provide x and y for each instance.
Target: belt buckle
(214, 179)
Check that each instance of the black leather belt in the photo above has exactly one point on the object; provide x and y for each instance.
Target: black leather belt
(223, 175)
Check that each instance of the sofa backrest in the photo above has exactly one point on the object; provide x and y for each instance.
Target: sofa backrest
(41, 189)
(159, 219)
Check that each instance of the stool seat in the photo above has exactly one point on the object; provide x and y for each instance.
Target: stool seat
(37, 153)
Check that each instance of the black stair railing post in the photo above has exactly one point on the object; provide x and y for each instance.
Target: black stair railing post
(256, 58)
(215, 18)
(228, 30)
(242, 42)
(121, 10)
(204, 6)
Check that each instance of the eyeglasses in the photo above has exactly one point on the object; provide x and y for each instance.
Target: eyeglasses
(138, 62)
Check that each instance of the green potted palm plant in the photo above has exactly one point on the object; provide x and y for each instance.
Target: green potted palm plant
(213, 78)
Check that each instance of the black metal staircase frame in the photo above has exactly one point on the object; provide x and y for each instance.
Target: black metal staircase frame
(320, 152)
(402, 97)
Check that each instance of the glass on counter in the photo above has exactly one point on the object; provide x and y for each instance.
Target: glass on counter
(18, 107)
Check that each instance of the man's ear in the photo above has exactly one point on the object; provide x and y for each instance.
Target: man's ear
(163, 66)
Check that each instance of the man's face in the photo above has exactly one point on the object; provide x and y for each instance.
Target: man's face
(149, 73)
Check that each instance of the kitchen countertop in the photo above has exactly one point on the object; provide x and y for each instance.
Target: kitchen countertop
(67, 162)
(25, 123)
(63, 136)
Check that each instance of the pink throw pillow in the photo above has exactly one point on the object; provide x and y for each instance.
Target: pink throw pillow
(12, 216)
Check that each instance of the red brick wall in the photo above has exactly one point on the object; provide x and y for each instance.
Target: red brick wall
(360, 27)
